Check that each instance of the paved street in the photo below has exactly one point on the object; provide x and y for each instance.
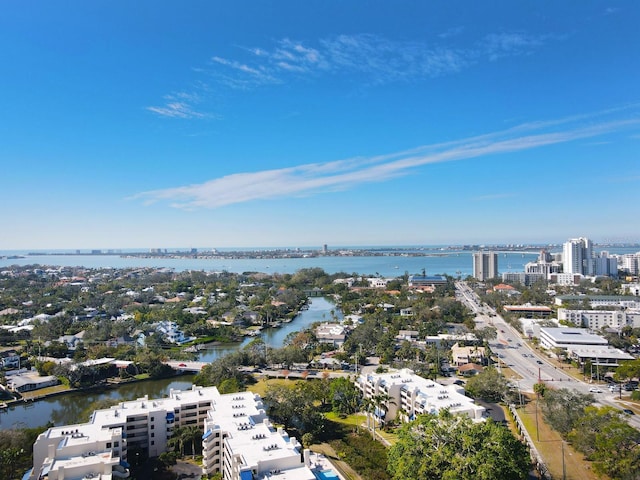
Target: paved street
(514, 352)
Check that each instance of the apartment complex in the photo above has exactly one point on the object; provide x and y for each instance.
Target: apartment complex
(411, 395)
(597, 319)
(578, 258)
(485, 265)
(238, 439)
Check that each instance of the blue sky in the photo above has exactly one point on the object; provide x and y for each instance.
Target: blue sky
(288, 123)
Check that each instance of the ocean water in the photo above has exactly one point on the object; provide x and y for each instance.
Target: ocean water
(450, 263)
(430, 259)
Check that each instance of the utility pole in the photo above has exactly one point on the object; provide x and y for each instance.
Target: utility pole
(564, 469)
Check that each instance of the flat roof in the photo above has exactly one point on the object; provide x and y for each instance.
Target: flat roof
(599, 351)
(570, 335)
(530, 308)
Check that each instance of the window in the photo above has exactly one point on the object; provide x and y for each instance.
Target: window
(152, 427)
(108, 444)
(116, 444)
(153, 435)
(152, 442)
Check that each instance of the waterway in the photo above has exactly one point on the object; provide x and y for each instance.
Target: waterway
(320, 310)
(68, 408)
(454, 263)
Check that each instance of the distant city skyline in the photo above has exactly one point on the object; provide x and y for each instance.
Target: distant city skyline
(243, 124)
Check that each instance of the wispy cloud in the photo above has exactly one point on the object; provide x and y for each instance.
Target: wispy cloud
(366, 59)
(499, 45)
(179, 105)
(313, 179)
(378, 59)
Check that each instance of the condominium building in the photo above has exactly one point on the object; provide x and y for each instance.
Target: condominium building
(485, 265)
(236, 430)
(630, 263)
(577, 256)
(524, 278)
(411, 395)
(597, 319)
(595, 301)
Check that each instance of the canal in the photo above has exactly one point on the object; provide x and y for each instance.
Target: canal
(68, 408)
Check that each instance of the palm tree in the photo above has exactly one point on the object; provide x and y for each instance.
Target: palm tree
(192, 433)
(177, 439)
(378, 402)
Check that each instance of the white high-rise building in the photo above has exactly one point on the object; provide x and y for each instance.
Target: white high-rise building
(577, 256)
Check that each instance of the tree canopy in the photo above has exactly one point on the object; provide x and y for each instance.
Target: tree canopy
(489, 385)
(452, 447)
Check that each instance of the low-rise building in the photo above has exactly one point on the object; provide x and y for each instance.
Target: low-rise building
(598, 355)
(410, 395)
(29, 381)
(9, 359)
(594, 301)
(564, 338)
(331, 333)
(417, 281)
(597, 319)
(463, 355)
(529, 310)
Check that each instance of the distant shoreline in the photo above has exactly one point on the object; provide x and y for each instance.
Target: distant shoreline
(267, 253)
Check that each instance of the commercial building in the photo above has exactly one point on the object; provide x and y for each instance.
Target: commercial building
(485, 265)
(238, 439)
(598, 356)
(528, 310)
(411, 395)
(565, 338)
(416, 281)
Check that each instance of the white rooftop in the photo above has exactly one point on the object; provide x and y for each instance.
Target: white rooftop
(573, 335)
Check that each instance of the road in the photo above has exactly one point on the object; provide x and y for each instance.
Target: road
(513, 352)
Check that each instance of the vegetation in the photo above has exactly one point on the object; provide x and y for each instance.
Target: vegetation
(453, 447)
(489, 385)
(16, 451)
(601, 434)
(365, 455)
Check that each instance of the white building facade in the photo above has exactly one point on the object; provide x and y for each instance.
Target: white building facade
(597, 319)
(564, 338)
(411, 395)
(235, 429)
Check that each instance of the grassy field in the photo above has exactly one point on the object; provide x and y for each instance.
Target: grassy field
(45, 391)
(549, 444)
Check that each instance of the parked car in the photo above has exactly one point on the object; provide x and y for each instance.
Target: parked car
(595, 390)
(628, 411)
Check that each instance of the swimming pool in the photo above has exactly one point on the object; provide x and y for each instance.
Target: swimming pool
(326, 475)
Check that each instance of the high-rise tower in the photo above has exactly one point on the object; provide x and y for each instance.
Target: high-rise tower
(485, 265)
(577, 256)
